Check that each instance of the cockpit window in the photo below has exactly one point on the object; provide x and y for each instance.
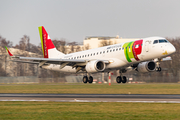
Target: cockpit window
(155, 42)
(160, 41)
(163, 41)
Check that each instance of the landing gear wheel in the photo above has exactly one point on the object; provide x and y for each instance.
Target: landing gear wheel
(124, 80)
(158, 69)
(90, 79)
(85, 79)
(118, 79)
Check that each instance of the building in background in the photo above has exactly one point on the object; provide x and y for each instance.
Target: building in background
(99, 41)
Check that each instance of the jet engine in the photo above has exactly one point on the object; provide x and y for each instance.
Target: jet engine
(149, 66)
(95, 66)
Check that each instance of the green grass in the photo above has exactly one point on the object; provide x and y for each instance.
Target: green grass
(93, 88)
(88, 111)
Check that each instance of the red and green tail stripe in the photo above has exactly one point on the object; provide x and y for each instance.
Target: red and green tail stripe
(8, 51)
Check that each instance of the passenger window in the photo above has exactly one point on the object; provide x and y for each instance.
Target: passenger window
(100, 52)
(110, 50)
(107, 51)
(155, 42)
(94, 53)
(114, 50)
(103, 51)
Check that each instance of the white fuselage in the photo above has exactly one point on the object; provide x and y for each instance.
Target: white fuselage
(120, 55)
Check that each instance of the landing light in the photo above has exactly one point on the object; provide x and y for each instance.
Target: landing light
(111, 61)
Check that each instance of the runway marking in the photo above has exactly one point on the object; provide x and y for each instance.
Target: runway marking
(134, 98)
(75, 100)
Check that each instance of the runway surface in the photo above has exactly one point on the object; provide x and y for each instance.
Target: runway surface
(149, 98)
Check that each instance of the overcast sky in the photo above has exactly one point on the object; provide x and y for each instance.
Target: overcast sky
(76, 19)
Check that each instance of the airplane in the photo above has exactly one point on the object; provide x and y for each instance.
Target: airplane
(142, 55)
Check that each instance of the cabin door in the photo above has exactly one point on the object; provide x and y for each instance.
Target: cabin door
(147, 46)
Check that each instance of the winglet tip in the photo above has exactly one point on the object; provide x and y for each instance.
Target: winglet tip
(10, 54)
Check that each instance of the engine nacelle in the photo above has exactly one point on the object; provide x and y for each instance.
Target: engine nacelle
(95, 66)
(146, 66)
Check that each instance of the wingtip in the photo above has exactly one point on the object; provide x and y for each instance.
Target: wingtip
(10, 54)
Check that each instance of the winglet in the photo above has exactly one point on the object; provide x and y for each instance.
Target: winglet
(9, 52)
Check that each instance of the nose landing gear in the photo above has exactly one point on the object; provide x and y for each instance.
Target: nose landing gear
(158, 69)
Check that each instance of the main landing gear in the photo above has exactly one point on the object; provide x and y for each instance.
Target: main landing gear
(121, 78)
(87, 79)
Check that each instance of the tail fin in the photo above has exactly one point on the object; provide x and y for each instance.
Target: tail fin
(48, 48)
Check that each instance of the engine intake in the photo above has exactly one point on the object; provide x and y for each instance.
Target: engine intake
(95, 66)
(146, 66)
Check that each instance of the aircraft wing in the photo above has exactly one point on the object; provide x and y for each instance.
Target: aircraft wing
(21, 61)
(163, 59)
(43, 61)
(51, 60)
(47, 61)
(166, 58)
(69, 62)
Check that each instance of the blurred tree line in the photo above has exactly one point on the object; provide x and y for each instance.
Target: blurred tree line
(9, 68)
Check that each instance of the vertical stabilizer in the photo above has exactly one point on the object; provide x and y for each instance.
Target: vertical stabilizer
(48, 48)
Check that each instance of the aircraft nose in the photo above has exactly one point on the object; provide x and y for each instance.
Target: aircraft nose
(172, 49)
